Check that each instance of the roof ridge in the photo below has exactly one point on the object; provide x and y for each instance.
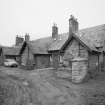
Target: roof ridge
(92, 27)
(66, 33)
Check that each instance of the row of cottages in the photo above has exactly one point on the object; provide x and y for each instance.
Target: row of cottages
(9, 53)
(60, 49)
(13, 51)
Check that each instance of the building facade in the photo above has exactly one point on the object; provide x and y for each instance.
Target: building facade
(59, 49)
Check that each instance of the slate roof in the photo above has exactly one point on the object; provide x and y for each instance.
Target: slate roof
(40, 46)
(92, 37)
(11, 50)
(95, 35)
(57, 44)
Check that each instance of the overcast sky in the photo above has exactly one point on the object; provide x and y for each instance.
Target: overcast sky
(36, 17)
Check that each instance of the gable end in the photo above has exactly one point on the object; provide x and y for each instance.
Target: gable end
(77, 39)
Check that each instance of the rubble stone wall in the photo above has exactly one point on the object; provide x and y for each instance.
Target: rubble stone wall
(79, 70)
(73, 50)
(27, 56)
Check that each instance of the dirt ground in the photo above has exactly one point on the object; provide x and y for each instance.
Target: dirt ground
(42, 87)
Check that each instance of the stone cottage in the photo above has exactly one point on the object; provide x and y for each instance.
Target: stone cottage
(35, 53)
(60, 49)
(11, 53)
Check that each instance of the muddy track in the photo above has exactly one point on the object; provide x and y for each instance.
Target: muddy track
(16, 91)
(18, 87)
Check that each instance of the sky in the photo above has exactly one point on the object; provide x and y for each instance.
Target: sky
(36, 17)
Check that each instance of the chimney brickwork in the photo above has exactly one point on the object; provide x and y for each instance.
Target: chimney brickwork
(27, 37)
(19, 40)
(54, 31)
(73, 25)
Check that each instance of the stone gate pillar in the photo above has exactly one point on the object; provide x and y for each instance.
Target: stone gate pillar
(79, 69)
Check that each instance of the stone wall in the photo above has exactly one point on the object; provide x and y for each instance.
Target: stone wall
(79, 69)
(74, 49)
(27, 57)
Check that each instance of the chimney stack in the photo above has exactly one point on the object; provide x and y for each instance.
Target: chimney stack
(73, 25)
(54, 31)
(27, 37)
(19, 40)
